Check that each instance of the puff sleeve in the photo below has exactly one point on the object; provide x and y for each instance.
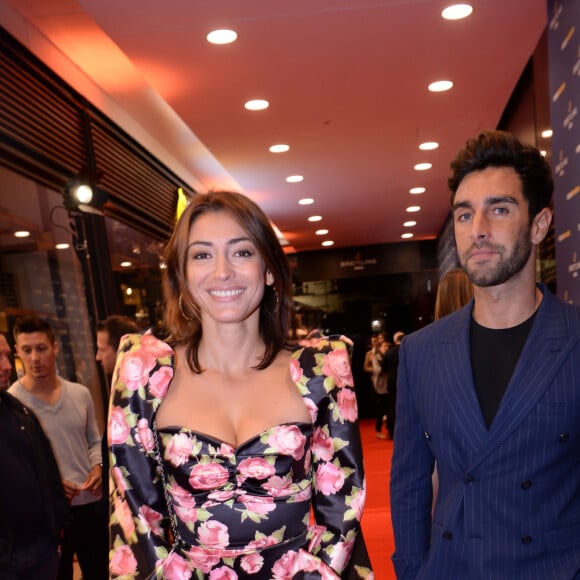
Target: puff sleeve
(140, 534)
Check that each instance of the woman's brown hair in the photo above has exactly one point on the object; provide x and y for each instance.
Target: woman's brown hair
(455, 290)
(182, 318)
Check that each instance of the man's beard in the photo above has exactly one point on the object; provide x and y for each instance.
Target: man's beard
(506, 267)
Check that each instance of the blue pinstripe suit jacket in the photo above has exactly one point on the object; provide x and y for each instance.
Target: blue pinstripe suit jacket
(508, 506)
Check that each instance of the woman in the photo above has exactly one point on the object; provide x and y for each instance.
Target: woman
(224, 438)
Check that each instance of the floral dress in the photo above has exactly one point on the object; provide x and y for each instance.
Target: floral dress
(287, 503)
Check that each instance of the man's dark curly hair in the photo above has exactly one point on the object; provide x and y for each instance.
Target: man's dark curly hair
(501, 149)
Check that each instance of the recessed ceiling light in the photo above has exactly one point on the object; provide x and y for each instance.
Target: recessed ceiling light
(407, 235)
(62, 246)
(328, 243)
(280, 148)
(440, 86)
(457, 11)
(423, 166)
(315, 218)
(409, 224)
(306, 201)
(126, 264)
(257, 105)
(294, 178)
(413, 208)
(547, 133)
(21, 234)
(543, 153)
(222, 36)
(321, 232)
(417, 190)
(428, 145)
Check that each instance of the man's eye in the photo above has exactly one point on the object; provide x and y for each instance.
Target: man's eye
(463, 217)
(501, 210)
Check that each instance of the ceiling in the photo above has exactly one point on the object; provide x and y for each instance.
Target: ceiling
(347, 84)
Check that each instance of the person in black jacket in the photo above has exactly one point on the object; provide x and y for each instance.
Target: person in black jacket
(390, 366)
(33, 506)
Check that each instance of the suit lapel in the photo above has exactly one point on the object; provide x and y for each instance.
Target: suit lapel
(546, 348)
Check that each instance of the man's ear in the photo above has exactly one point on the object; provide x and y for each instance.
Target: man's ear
(541, 225)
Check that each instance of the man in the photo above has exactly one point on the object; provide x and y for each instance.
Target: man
(491, 393)
(67, 415)
(390, 365)
(33, 507)
(109, 334)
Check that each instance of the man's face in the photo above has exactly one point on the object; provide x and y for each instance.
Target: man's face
(5, 363)
(38, 354)
(492, 230)
(106, 354)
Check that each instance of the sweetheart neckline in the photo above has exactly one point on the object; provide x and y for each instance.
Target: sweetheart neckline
(235, 448)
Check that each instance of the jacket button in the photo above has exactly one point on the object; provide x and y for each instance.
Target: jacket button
(526, 484)
(427, 436)
(527, 540)
(448, 535)
(564, 437)
(468, 479)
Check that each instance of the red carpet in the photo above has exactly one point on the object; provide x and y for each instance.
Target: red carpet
(376, 521)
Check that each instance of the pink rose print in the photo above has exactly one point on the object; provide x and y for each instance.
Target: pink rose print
(304, 495)
(284, 568)
(312, 409)
(134, 369)
(221, 496)
(124, 517)
(155, 347)
(119, 480)
(337, 365)
(159, 382)
(145, 435)
(213, 534)
(202, 558)
(322, 444)
(347, 406)
(262, 542)
(123, 563)
(252, 563)
(295, 370)
(175, 567)
(329, 478)
(223, 573)
(208, 475)
(118, 431)
(287, 440)
(278, 486)
(151, 519)
(184, 503)
(306, 561)
(257, 504)
(179, 449)
(255, 467)
(358, 503)
(341, 554)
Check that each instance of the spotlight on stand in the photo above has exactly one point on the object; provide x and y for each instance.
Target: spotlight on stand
(82, 194)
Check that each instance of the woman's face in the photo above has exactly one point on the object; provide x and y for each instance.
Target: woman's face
(225, 273)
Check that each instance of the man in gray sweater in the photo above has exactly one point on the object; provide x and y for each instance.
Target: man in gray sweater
(66, 412)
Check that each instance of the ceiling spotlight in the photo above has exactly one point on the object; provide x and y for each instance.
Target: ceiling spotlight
(62, 246)
(428, 145)
(328, 243)
(407, 235)
(440, 86)
(257, 105)
(306, 201)
(280, 148)
(417, 190)
(294, 178)
(413, 208)
(22, 234)
(547, 133)
(82, 193)
(126, 264)
(457, 11)
(409, 224)
(222, 36)
(423, 166)
(315, 218)
(321, 232)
